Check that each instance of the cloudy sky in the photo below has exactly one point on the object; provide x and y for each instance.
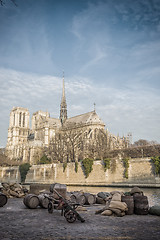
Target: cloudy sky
(109, 51)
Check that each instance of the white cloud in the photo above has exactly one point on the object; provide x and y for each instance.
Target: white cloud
(98, 55)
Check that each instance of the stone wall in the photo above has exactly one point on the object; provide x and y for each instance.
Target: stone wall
(10, 174)
(140, 172)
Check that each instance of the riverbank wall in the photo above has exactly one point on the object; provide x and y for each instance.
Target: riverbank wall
(141, 172)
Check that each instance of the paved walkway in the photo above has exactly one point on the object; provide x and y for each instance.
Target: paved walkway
(18, 223)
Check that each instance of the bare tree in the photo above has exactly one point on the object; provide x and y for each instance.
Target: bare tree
(5, 161)
(141, 142)
(98, 145)
(57, 148)
(74, 143)
(153, 142)
(66, 145)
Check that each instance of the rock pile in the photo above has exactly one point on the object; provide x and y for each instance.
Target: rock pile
(12, 190)
(119, 203)
(114, 205)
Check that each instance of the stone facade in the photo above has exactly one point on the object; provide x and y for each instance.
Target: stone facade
(27, 144)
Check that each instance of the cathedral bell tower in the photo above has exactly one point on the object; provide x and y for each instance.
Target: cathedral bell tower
(63, 106)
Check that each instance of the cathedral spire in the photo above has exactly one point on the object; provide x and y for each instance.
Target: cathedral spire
(94, 107)
(63, 107)
(63, 92)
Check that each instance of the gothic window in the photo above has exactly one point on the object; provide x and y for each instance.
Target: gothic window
(85, 135)
(14, 120)
(20, 116)
(91, 135)
(23, 119)
(95, 133)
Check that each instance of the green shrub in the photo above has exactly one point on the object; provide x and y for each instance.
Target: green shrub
(106, 163)
(44, 160)
(87, 164)
(156, 161)
(23, 169)
(76, 167)
(64, 166)
(113, 165)
(126, 166)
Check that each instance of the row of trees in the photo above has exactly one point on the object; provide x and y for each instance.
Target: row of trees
(76, 144)
(143, 142)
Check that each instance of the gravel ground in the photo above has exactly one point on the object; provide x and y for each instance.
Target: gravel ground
(18, 222)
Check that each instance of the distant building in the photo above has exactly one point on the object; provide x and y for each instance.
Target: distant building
(27, 145)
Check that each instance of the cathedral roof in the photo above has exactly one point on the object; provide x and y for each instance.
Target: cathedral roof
(54, 122)
(86, 118)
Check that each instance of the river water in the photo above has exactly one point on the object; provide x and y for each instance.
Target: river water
(153, 194)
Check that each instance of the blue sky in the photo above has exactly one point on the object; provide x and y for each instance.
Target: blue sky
(109, 51)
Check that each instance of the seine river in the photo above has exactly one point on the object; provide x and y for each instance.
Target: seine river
(153, 194)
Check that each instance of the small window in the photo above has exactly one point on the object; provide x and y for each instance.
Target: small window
(23, 119)
(20, 116)
(14, 120)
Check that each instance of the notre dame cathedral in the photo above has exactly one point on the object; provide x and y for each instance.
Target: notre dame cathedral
(62, 139)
